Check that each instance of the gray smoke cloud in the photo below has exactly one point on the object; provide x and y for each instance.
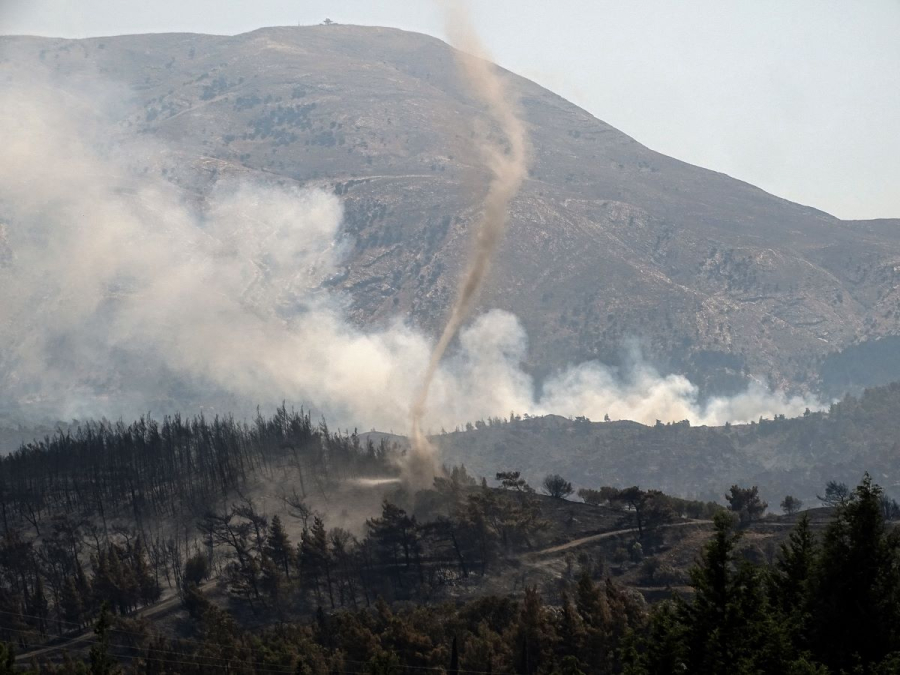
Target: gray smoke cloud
(120, 294)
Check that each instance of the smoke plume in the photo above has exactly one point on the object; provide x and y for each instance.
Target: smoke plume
(122, 294)
(507, 164)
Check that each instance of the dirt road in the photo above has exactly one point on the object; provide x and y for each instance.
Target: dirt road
(575, 543)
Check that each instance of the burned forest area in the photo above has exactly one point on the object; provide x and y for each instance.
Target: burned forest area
(195, 545)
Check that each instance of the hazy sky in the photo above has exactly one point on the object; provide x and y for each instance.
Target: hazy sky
(801, 98)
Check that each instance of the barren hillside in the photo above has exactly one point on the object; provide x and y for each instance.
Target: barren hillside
(608, 240)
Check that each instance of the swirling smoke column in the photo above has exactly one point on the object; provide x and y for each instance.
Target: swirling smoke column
(507, 162)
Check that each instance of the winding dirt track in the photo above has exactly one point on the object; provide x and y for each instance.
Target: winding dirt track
(172, 601)
(575, 543)
(88, 636)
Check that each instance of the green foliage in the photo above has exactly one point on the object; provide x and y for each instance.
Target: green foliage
(101, 661)
(196, 569)
(836, 494)
(791, 505)
(7, 659)
(651, 508)
(687, 508)
(569, 666)
(384, 663)
(746, 503)
(592, 497)
(856, 595)
(890, 508)
(662, 645)
(278, 547)
(821, 608)
(556, 486)
(512, 480)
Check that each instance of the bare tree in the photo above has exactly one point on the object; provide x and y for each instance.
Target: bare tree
(836, 494)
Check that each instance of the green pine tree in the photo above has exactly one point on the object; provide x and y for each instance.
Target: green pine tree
(791, 582)
(278, 546)
(7, 659)
(856, 609)
(729, 626)
(102, 663)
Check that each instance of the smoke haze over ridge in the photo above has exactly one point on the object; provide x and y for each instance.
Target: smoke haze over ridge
(119, 295)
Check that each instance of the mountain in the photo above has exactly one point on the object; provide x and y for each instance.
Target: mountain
(608, 240)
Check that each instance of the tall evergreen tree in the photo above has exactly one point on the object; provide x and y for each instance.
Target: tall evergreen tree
(791, 582)
(101, 662)
(856, 610)
(727, 627)
(7, 659)
(315, 560)
(278, 546)
(664, 645)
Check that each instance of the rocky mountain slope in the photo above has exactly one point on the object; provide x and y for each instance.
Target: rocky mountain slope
(608, 240)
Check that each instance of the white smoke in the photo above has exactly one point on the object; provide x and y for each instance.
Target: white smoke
(119, 294)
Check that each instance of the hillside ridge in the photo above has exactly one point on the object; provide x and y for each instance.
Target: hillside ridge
(608, 240)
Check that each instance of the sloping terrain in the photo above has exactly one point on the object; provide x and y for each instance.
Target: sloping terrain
(782, 456)
(608, 240)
